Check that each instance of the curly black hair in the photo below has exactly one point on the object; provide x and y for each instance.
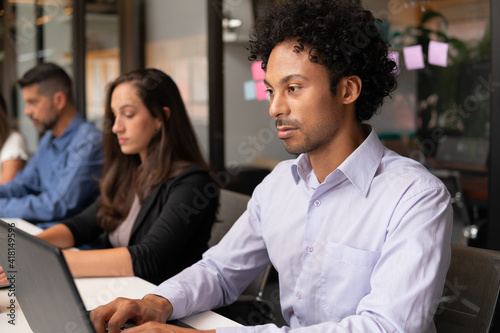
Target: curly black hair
(341, 35)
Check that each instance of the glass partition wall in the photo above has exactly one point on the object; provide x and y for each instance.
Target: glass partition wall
(444, 51)
(176, 42)
(34, 32)
(102, 56)
(44, 31)
(440, 112)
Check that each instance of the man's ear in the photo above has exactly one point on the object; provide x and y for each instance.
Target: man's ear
(59, 99)
(351, 88)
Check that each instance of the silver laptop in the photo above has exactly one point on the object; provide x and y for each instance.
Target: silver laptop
(42, 282)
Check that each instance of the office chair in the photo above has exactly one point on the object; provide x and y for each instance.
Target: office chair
(451, 178)
(471, 291)
(232, 205)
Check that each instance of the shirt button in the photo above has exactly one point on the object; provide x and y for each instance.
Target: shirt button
(309, 248)
(299, 295)
(317, 203)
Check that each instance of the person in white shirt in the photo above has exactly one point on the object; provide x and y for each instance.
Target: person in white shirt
(359, 236)
(13, 148)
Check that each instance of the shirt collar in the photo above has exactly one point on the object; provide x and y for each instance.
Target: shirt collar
(61, 141)
(360, 167)
(301, 168)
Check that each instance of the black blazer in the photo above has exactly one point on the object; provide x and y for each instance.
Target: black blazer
(171, 230)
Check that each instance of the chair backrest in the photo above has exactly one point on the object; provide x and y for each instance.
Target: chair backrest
(471, 291)
(232, 205)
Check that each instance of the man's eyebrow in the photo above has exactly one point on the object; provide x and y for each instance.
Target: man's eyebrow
(288, 78)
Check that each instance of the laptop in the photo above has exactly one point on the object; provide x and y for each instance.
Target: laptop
(44, 287)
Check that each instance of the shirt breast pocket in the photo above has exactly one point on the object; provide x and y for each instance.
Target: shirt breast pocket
(345, 278)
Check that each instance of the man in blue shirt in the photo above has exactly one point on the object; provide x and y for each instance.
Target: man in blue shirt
(60, 180)
(359, 236)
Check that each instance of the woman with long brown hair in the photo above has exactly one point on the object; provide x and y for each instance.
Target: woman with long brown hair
(157, 199)
(13, 149)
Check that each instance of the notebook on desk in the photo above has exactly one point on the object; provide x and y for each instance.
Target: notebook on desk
(44, 287)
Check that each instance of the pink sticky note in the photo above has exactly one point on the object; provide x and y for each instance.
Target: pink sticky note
(261, 90)
(438, 53)
(414, 58)
(394, 56)
(257, 71)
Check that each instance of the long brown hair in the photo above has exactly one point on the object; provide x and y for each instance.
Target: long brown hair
(173, 148)
(4, 122)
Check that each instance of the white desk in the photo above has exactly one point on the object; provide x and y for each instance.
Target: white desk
(99, 291)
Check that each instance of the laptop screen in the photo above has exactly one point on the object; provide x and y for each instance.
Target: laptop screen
(42, 282)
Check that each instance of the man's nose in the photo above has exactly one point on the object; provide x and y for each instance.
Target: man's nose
(27, 111)
(278, 105)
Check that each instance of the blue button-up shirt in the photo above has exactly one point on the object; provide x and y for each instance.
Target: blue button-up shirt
(367, 250)
(60, 180)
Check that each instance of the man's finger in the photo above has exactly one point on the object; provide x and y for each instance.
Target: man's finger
(115, 314)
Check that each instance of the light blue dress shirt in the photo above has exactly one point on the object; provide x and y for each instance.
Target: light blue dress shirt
(60, 180)
(367, 250)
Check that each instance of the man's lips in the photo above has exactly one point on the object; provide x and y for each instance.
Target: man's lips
(285, 132)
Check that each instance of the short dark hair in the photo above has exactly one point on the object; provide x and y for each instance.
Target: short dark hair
(342, 36)
(51, 78)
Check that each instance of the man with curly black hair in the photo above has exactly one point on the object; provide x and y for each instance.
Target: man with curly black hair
(359, 235)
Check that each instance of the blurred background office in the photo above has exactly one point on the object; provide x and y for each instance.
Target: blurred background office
(442, 114)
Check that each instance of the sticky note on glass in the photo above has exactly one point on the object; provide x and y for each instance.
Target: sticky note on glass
(394, 56)
(249, 90)
(438, 53)
(257, 71)
(414, 57)
(261, 90)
